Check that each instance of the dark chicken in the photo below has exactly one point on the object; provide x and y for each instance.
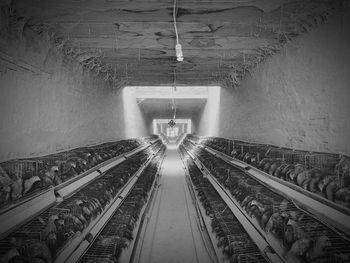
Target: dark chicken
(232, 238)
(27, 250)
(52, 170)
(335, 187)
(71, 217)
(275, 215)
(118, 233)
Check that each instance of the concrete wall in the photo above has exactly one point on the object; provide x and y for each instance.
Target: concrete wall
(207, 123)
(49, 104)
(298, 98)
(136, 123)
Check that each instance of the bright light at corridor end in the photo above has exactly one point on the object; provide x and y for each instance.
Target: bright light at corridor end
(207, 123)
(160, 126)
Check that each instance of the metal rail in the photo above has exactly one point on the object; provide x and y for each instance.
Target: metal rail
(144, 212)
(249, 251)
(308, 224)
(322, 208)
(205, 221)
(37, 226)
(22, 212)
(90, 249)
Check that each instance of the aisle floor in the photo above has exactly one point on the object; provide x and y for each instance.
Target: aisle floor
(173, 233)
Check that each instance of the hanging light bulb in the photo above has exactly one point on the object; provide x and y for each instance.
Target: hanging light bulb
(178, 47)
(179, 54)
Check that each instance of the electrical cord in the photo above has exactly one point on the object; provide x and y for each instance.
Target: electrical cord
(174, 17)
(178, 47)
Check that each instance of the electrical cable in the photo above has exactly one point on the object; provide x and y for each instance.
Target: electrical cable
(174, 17)
(178, 48)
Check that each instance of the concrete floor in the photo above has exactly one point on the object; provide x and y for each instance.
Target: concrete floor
(173, 233)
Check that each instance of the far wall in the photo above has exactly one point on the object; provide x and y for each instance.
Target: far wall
(298, 98)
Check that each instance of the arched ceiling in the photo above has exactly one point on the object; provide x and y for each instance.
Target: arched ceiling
(133, 42)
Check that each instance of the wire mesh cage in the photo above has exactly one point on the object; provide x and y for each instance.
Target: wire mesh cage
(250, 258)
(326, 162)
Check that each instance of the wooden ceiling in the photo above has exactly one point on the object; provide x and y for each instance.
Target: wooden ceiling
(133, 42)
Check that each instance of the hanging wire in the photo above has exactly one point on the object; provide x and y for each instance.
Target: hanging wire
(174, 17)
(173, 98)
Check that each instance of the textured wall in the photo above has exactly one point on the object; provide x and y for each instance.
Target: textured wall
(207, 123)
(136, 123)
(300, 97)
(48, 104)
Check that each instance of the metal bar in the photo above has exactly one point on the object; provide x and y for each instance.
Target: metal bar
(83, 245)
(320, 207)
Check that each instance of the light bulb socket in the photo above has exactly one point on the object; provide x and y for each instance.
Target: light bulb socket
(179, 53)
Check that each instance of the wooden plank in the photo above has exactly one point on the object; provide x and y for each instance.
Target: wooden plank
(144, 6)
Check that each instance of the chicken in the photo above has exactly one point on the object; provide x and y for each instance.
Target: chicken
(262, 205)
(279, 170)
(298, 249)
(313, 184)
(53, 171)
(275, 225)
(17, 189)
(286, 170)
(85, 209)
(247, 200)
(36, 250)
(249, 158)
(73, 223)
(265, 218)
(297, 231)
(5, 195)
(289, 236)
(298, 168)
(304, 175)
(4, 178)
(41, 251)
(80, 164)
(32, 184)
(10, 256)
(262, 163)
(101, 260)
(305, 184)
(5, 187)
(315, 253)
(68, 170)
(267, 165)
(342, 170)
(98, 157)
(48, 178)
(276, 164)
(235, 153)
(105, 155)
(50, 233)
(254, 160)
(328, 187)
(343, 196)
(89, 159)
